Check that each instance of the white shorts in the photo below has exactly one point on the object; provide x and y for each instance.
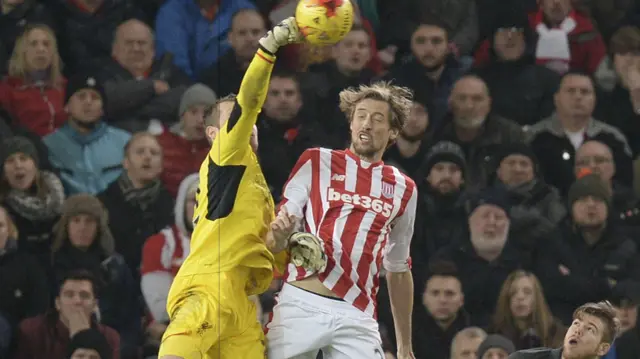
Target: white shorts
(304, 324)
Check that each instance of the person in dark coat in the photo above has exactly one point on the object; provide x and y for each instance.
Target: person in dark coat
(137, 202)
(89, 343)
(590, 335)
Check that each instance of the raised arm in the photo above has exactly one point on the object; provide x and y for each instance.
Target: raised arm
(233, 139)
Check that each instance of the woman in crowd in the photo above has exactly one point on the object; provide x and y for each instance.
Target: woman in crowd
(33, 91)
(23, 285)
(523, 316)
(33, 197)
(83, 242)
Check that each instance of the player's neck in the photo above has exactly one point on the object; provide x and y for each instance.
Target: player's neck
(376, 157)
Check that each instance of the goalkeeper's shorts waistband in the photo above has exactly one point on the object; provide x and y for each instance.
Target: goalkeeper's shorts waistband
(320, 295)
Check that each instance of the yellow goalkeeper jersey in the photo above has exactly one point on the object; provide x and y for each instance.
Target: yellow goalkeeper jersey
(234, 205)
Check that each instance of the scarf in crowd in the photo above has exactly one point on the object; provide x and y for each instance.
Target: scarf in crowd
(142, 197)
(553, 48)
(34, 208)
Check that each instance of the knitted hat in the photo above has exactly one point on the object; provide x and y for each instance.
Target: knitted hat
(495, 196)
(89, 205)
(18, 144)
(197, 94)
(444, 151)
(626, 293)
(90, 339)
(496, 341)
(81, 82)
(516, 149)
(589, 184)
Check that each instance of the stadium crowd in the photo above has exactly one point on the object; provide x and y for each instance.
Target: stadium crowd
(523, 141)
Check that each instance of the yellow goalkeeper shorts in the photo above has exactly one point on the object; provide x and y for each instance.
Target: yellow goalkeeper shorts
(212, 317)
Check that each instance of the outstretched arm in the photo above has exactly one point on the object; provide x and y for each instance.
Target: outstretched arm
(234, 135)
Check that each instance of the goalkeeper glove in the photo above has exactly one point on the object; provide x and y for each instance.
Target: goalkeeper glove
(286, 32)
(306, 251)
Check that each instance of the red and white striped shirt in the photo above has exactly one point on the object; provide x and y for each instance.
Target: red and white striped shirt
(364, 214)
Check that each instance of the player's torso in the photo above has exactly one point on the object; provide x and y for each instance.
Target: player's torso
(233, 212)
(352, 208)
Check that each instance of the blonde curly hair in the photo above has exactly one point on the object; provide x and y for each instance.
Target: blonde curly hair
(400, 100)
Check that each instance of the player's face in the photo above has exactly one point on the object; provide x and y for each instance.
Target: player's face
(371, 129)
(443, 298)
(221, 114)
(445, 177)
(515, 170)
(82, 230)
(522, 297)
(584, 338)
(143, 161)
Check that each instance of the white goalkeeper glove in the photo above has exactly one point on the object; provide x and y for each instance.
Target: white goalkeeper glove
(286, 32)
(306, 251)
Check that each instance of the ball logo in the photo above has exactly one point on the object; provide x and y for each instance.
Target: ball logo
(365, 202)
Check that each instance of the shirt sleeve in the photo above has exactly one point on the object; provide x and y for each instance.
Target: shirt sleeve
(396, 256)
(232, 142)
(297, 189)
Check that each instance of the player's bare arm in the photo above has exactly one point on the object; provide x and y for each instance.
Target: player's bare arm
(400, 286)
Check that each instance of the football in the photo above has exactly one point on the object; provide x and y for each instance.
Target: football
(324, 22)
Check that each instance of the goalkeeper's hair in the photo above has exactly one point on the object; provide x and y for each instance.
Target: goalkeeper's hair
(211, 116)
(399, 99)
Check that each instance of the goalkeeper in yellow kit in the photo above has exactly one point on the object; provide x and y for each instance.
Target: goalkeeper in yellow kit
(209, 310)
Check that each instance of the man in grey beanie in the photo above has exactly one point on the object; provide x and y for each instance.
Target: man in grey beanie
(495, 347)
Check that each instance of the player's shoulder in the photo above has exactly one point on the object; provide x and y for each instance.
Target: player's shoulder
(400, 176)
(537, 353)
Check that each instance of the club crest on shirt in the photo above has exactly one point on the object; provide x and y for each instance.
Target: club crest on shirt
(387, 190)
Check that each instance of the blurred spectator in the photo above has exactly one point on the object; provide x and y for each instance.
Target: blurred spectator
(534, 202)
(626, 301)
(556, 139)
(466, 342)
(48, 336)
(592, 257)
(83, 242)
(432, 70)
(440, 209)
(23, 284)
(487, 254)
(567, 40)
(33, 92)
(619, 104)
(284, 134)
(225, 75)
(6, 336)
(408, 151)
(86, 151)
(163, 254)
(596, 157)
(346, 68)
(521, 90)
(139, 87)
(32, 197)
(523, 316)
(495, 347)
(184, 145)
(401, 18)
(440, 314)
(17, 14)
(195, 32)
(609, 15)
(137, 203)
(89, 344)
(471, 124)
(88, 29)
(492, 13)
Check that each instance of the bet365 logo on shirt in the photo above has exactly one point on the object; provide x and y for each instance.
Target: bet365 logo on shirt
(363, 201)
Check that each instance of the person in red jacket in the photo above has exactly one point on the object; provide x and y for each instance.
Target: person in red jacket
(33, 92)
(48, 335)
(184, 145)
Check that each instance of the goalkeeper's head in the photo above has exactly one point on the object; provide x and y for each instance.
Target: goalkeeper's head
(218, 115)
